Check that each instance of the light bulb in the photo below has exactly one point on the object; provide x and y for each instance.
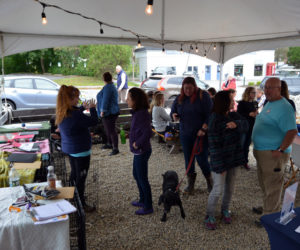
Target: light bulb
(139, 44)
(215, 47)
(44, 19)
(197, 49)
(101, 29)
(149, 10)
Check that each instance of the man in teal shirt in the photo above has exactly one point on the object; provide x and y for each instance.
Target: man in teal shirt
(273, 133)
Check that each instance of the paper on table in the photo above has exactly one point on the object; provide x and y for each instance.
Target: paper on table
(55, 219)
(53, 210)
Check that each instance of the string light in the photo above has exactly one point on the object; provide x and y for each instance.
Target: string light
(101, 23)
(163, 48)
(44, 19)
(205, 54)
(101, 29)
(149, 8)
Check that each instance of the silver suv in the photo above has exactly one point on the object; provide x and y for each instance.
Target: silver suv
(170, 86)
(164, 70)
(292, 82)
(23, 92)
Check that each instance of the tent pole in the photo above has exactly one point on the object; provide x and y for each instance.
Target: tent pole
(2, 73)
(221, 63)
(162, 22)
(2, 66)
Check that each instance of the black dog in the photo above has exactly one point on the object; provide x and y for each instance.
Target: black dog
(170, 196)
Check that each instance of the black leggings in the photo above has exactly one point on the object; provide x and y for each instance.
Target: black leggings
(79, 171)
(109, 124)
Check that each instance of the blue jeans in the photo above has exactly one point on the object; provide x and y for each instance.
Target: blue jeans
(222, 184)
(187, 143)
(140, 174)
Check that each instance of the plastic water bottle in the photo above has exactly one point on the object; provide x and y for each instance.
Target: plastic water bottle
(51, 178)
(14, 177)
(122, 136)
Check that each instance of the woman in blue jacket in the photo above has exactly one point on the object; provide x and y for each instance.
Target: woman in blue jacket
(108, 109)
(139, 139)
(75, 135)
(192, 108)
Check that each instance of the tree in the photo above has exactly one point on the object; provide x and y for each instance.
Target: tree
(103, 58)
(281, 55)
(294, 56)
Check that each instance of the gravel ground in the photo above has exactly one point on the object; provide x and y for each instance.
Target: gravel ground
(115, 226)
(111, 187)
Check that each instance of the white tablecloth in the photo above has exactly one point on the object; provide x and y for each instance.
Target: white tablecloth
(17, 230)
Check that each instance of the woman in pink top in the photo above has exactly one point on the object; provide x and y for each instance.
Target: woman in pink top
(229, 84)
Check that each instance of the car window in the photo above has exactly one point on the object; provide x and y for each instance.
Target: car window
(175, 80)
(200, 84)
(289, 81)
(292, 81)
(7, 83)
(151, 82)
(23, 83)
(44, 84)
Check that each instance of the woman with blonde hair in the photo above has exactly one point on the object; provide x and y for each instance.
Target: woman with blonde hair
(160, 118)
(75, 136)
(248, 108)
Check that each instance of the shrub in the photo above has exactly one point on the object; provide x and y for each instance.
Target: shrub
(251, 83)
(258, 83)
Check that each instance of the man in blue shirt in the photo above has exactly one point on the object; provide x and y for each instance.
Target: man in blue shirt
(273, 133)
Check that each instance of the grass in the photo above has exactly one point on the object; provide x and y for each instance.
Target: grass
(85, 81)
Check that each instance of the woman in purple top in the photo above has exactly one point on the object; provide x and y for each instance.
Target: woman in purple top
(139, 140)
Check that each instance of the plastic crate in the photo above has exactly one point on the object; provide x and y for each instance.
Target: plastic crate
(77, 225)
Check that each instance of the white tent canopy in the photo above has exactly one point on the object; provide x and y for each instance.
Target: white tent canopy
(235, 26)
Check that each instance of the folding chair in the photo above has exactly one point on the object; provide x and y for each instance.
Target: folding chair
(295, 162)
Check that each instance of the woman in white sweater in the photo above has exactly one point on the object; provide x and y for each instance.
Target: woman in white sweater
(160, 117)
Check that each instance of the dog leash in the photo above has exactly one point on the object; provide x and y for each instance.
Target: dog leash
(197, 149)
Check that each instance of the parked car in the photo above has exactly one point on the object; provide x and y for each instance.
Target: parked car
(169, 85)
(292, 82)
(191, 73)
(23, 92)
(164, 70)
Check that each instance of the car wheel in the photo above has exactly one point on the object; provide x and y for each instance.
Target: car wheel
(9, 104)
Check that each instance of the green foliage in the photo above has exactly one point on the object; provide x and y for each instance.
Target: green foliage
(251, 83)
(258, 83)
(294, 56)
(103, 58)
(281, 54)
(85, 60)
